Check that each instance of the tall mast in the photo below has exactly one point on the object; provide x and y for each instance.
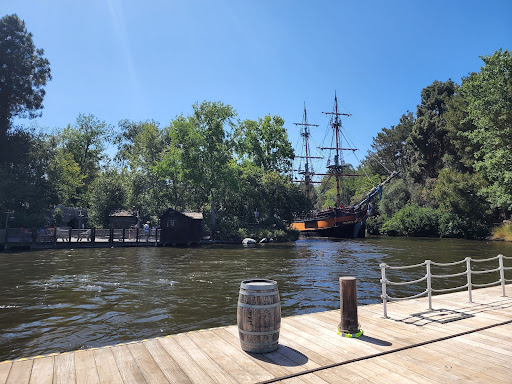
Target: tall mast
(307, 172)
(337, 168)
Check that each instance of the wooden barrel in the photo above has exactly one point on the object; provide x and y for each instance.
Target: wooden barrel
(259, 315)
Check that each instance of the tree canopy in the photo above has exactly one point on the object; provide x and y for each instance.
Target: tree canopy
(24, 72)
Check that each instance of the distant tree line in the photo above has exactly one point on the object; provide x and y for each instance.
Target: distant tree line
(454, 155)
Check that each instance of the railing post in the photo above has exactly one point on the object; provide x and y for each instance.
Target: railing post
(502, 274)
(69, 236)
(384, 293)
(137, 234)
(123, 234)
(429, 285)
(468, 270)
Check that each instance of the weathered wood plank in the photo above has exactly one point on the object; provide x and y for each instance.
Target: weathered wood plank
(262, 360)
(232, 366)
(186, 363)
(4, 371)
(458, 356)
(147, 365)
(169, 367)
(245, 360)
(20, 372)
(42, 371)
(64, 368)
(85, 364)
(203, 360)
(127, 365)
(106, 366)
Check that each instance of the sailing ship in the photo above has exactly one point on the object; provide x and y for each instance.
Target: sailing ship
(338, 221)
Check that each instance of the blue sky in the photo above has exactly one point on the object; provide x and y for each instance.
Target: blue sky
(152, 60)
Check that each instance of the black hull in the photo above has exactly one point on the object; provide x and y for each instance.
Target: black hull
(344, 231)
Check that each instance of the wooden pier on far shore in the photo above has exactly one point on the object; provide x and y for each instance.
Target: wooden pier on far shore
(456, 342)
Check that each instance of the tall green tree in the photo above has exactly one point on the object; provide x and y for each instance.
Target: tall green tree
(489, 105)
(265, 143)
(25, 187)
(108, 192)
(428, 141)
(86, 142)
(389, 149)
(24, 72)
(202, 149)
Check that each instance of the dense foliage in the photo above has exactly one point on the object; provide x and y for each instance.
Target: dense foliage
(454, 156)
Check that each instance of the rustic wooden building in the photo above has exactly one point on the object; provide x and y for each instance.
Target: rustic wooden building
(181, 228)
(71, 217)
(122, 218)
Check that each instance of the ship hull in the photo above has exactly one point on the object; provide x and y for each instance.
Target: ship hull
(337, 224)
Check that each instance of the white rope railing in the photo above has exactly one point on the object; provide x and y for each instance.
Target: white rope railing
(428, 277)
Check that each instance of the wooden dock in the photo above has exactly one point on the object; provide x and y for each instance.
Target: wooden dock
(458, 342)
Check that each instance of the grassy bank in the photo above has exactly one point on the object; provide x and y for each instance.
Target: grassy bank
(503, 232)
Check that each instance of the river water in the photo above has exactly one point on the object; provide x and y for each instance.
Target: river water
(63, 300)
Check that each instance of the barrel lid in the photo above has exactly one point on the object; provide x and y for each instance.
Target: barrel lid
(258, 284)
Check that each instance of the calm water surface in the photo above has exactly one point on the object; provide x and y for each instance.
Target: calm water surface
(62, 300)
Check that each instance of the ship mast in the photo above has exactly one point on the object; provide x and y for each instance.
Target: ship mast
(337, 167)
(307, 171)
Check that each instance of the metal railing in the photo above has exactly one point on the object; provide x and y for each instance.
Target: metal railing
(60, 235)
(428, 278)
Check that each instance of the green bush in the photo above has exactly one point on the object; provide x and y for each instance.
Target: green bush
(451, 225)
(413, 220)
(394, 198)
(374, 225)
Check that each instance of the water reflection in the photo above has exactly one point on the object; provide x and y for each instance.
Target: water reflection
(60, 300)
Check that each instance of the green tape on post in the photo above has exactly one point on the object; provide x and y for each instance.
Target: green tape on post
(350, 335)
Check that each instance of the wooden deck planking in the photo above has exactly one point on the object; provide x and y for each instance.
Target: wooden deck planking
(64, 368)
(42, 371)
(167, 364)
(20, 372)
(85, 368)
(309, 342)
(127, 365)
(106, 366)
(5, 368)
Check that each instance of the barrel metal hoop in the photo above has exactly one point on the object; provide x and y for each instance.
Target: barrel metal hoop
(249, 293)
(258, 333)
(258, 345)
(243, 305)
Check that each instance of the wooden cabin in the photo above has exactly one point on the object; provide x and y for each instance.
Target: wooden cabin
(122, 218)
(181, 228)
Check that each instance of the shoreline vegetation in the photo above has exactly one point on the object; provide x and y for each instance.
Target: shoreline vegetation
(453, 155)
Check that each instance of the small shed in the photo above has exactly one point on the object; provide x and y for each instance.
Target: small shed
(122, 218)
(181, 228)
(71, 217)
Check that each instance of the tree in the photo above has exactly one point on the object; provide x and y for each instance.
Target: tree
(25, 186)
(463, 152)
(23, 73)
(202, 150)
(108, 193)
(428, 141)
(465, 211)
(389, 147)
(86, 143)
(489, 104)
(265, 143)
(66, 177)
